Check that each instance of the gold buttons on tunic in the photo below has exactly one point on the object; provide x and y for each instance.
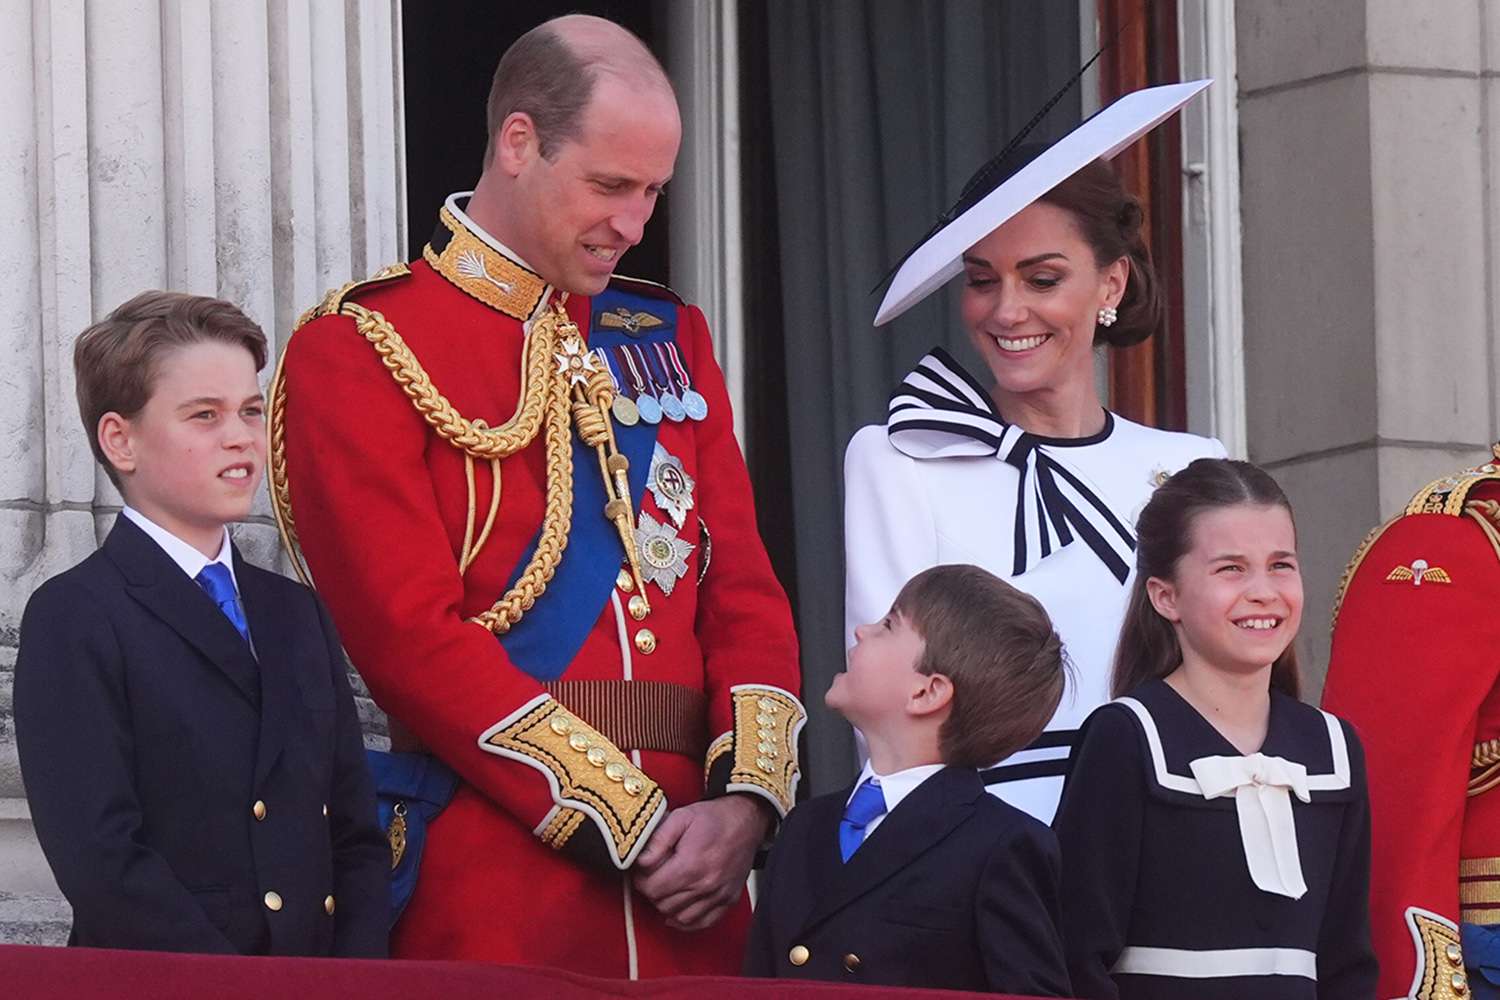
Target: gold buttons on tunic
(799, 954)
(597, 756)
(624, 582)
(561, 725)
(634, 785)
(258, 810)
(272, 901)
(1454, 953)
(851, 962)
(638, 607)
(1460, 984)
(578, 742)
(645, 641)
(328, 905)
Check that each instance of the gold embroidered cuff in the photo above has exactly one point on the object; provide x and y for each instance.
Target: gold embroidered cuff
(589, 777)
(722, 744)
(561, 823)
(760, 756)
(1440, 961)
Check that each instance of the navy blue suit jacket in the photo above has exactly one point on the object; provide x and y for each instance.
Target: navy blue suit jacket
(152, 739)
(955, 889)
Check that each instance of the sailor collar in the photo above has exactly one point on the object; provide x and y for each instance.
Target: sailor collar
(1177, 735)
(941, 411)
(1295, 762)
(481, 265)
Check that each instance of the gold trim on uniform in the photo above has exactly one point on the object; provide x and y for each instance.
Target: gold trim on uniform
(587, 773)
(722, 744)
(484, 272)
(1441, 496)
(1480, 892)
(333, 299)
(767, 721)
(1479, 867)
(1354, 563)
(1440, 961)
(564, 823)
(1484, 768)
(1447, 495)
(280, 488)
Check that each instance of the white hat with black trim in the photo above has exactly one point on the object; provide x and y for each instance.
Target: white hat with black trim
(990, 201)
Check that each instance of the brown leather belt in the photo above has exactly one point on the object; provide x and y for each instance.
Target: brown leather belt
(634, 715)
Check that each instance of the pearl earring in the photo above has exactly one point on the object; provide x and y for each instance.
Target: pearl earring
(1108, 315)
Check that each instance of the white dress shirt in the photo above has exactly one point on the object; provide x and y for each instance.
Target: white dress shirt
(189, 559)
(894, 787)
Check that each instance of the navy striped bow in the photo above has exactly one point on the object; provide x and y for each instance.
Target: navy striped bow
(940, 411)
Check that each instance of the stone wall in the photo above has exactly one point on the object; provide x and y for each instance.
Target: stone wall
(247, 150)
(1369, 139)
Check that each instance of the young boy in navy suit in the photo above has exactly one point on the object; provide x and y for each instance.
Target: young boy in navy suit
(187, 734)
(916, 876)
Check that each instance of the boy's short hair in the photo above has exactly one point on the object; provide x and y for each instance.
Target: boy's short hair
(115, 361)
(997, 645)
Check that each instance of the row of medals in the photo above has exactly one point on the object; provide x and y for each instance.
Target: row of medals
(653, 401)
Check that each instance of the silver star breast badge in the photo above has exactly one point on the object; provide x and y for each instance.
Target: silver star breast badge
(670, 484)
(663, 555)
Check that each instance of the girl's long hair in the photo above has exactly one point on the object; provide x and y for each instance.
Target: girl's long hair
(1148, 646)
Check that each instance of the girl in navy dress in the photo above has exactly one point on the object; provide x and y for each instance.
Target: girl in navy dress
(1215, 830)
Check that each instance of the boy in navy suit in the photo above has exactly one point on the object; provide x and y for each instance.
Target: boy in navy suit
(915, 876)
(187, 734)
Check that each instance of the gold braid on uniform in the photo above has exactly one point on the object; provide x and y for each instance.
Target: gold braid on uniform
(548, 400)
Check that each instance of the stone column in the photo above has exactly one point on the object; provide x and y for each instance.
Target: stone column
(1368, 143)
(250, 151)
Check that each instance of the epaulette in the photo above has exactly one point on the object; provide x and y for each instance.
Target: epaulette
(334, 300)
(643, 286)
(1447, 495)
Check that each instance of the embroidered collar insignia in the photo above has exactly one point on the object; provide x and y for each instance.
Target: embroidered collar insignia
(473, 265)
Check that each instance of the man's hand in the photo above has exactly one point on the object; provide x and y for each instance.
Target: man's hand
(695, 864)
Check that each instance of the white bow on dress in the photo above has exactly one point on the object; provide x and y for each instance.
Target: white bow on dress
(1262, 787)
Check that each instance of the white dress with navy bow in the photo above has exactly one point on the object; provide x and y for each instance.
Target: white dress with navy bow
(946, 480)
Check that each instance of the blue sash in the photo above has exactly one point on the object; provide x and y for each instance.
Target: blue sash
(545, 641)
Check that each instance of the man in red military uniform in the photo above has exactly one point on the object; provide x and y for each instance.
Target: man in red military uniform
(1416, 669)
(514, 480)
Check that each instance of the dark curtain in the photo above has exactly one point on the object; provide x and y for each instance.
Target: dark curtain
(879, 110)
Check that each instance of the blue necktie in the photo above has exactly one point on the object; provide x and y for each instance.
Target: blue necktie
(215, 579)
(868, 802)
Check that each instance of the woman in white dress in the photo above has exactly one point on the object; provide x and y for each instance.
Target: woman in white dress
(1030, 477)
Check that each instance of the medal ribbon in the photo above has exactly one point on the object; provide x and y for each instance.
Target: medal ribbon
(635, 375)
(603, 357)
(651, 372)
(682, 375)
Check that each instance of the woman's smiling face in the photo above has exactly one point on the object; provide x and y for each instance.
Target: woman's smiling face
(1031, 300)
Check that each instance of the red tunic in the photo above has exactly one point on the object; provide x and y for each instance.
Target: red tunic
(380, 504)
(1416, 669)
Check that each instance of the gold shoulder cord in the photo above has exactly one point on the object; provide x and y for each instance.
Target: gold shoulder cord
(555, 387)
